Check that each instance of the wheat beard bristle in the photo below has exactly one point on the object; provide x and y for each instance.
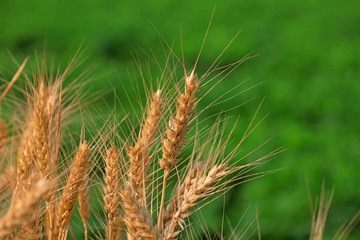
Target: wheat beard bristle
(319, 216)
(19, 212)
(69, 196)
(196, 186)
(111, 194)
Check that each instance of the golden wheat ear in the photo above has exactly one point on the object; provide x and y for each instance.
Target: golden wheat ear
(78, 173)
(197, 185)
(173, 143)
(137, 219)
(112, 194)
(139, 154)
(22, 208)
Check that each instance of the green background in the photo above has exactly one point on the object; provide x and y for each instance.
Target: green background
(309, 62)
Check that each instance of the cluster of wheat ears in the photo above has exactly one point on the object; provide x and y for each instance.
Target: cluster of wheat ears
(149, 187)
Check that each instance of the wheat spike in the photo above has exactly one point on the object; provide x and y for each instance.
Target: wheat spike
(18, 213)
(111, 193)
(139, 154)
(176, 133)
(178, 125)
(25, 159)
(69, 196)
(41, 132)
(26, 153)
(136, 218)
(196, 186)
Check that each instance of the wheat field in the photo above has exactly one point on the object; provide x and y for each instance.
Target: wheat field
(150, 171)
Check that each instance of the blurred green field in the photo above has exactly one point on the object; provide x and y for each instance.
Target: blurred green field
(309, 62)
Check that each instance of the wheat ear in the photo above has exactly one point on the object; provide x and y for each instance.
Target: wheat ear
(111, 194)
(136, 218)
(176, 133)
(84, 205)
(196, 186)
(41, 132)
(25, 158)
(69, 196)
(139, 154)
(41, 147)
(18, 213)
